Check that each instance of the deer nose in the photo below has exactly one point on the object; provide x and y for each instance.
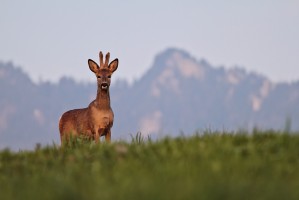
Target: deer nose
(104, 85)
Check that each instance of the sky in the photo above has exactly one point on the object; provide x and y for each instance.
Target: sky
(51, 39)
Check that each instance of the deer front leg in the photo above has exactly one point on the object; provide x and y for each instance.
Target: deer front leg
(97, 136)
(108, 136)
(99, 133)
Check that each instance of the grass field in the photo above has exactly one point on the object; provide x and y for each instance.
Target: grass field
(262, 165)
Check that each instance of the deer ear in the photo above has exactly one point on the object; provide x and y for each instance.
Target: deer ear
(113, 65)
(93, 66)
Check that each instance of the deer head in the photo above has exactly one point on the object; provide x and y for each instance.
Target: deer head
(104, 71)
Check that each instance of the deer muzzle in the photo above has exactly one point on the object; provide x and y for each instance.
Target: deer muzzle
(104, 86)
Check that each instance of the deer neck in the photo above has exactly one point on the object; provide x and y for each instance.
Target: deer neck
(103, 99)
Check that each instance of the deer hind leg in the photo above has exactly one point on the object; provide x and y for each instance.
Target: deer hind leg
(67, 134)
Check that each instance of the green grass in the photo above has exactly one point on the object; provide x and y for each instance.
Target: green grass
(263, 165)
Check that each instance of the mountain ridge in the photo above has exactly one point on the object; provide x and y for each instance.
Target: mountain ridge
(177, 93)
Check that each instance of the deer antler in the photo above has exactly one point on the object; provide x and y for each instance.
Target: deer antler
(107, 59)
(101, 59)
(102, 64)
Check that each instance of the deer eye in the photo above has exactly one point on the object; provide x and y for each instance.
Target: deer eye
(109, 76)
(99, 76)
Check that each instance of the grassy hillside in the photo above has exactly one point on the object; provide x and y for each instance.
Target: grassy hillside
(264, 165)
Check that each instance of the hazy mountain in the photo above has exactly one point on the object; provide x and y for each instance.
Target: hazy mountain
(177, 94)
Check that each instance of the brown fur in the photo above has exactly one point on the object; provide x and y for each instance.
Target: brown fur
(97, 119)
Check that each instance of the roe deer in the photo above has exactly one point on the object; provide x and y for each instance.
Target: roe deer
(97, 119)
